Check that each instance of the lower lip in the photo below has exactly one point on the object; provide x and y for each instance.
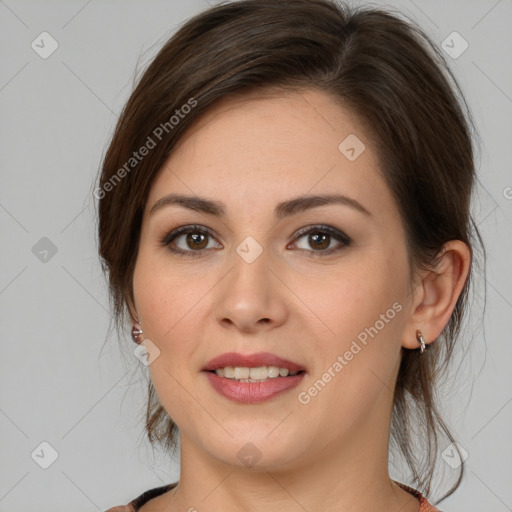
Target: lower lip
(252, 392)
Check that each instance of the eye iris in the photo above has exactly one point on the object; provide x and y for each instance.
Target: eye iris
(315, 238)
(194, 237)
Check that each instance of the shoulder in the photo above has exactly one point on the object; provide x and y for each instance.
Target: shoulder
(425, 506)
(136, 504)
(121, 508)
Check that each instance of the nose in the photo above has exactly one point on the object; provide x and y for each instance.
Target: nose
(251, 297)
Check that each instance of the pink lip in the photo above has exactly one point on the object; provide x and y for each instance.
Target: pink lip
(251, 361)
(252, 392)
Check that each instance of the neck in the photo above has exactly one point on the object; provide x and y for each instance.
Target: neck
(349, 477)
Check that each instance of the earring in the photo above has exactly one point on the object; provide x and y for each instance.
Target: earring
(137, 333)
(421, 341)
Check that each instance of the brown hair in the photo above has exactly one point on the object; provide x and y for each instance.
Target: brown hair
(383, 68)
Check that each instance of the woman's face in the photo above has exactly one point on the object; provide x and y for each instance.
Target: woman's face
(322, 286)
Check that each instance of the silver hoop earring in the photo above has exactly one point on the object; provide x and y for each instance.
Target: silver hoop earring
(421, 341)
(137, 333)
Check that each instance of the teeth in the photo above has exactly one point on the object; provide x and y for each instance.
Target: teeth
(259, 374)
(273, 371)
(242, 373)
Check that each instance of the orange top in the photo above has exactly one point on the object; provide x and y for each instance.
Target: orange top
(137, 503)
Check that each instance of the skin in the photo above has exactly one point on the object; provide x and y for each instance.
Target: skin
(332, 453)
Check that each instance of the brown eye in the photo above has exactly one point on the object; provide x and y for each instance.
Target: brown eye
(188, 240)
(196, 241)
(319, 239)
(193, 240)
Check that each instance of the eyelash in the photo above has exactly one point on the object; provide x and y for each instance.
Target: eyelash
(318, 229)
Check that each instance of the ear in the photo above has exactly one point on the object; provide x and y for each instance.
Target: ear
(435, 297)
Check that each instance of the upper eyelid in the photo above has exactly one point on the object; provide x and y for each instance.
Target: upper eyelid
(185, 229)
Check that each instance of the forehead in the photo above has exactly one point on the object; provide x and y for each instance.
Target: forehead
(266, 148)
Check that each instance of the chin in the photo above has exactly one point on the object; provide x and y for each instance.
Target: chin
(257, 450)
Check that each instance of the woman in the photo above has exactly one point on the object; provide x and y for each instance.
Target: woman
(284, 220)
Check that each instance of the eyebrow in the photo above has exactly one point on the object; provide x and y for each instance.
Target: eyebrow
(283, 209)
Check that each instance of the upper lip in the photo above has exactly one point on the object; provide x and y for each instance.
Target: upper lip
(251, 361)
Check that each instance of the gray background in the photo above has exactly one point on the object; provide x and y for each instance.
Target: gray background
(57, 384)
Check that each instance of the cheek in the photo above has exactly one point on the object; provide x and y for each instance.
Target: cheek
(343, 301)
(364, 311)
(364, 292)
(355, 367)
(168, 304)
(164, 299)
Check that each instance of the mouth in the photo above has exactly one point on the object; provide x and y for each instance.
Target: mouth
(252, 378)
(252, 362)
(254, 374)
